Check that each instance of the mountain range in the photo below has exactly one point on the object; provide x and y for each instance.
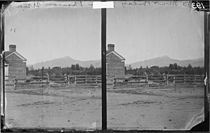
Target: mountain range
(159, 61)
(165, 61)
(66, 62)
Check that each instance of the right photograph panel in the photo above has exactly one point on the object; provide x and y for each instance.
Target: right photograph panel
(154, 66)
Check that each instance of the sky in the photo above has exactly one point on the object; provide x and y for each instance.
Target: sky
(44, 34)
(148, 32)
(138, 32)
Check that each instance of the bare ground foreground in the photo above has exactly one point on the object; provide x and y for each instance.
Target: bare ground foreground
(140, 108)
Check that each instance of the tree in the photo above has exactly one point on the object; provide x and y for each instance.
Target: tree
(129, 67)
(189, 67)
(73, 67)
(57, 71)
(140, 67)
(154, 67)
(171, 66)
(91, 68)
(27, 71)
(77, 67)
(175, 66)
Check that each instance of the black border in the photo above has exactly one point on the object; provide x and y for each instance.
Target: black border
(4, 4)
(206, 63)
(103, 62)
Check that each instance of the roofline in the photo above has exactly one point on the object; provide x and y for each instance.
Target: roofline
(19, 55)
(114, 52)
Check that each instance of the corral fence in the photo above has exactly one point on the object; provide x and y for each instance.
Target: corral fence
(63, 80)
(95, 80)
(86, 80)
(166, 79)
(36, 80)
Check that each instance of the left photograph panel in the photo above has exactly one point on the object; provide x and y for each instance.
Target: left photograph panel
(52, 65)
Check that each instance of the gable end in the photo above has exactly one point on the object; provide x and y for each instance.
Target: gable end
(17, 54)
(116, 54)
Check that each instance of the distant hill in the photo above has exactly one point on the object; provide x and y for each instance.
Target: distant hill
(159, 61)
(66, 62)
(165, 61)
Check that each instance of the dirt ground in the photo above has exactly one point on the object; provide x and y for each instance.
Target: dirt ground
(140, 108)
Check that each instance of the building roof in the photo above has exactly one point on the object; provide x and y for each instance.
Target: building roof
(115, 53)
(8, 53)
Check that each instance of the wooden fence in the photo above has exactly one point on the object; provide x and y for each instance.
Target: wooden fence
(95, 80)
(169, 79)
(186, 79)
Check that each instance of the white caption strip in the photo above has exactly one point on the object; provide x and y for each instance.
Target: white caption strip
(107, 4)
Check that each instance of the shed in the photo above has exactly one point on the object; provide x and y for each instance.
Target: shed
(15, 64)
(115, 63)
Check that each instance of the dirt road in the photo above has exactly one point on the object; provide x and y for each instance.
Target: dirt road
(128, 108)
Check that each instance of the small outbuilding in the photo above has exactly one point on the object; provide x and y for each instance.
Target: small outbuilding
(15, 64)
(115, 63)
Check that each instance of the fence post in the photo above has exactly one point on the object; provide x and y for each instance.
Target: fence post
(42, 75)
(15, 85)
(174, 80)
(166, 79)
(75, 79)
(68, 76)
(48, 78)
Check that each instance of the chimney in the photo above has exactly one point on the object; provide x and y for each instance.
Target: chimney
(110, 47)
(12, 48)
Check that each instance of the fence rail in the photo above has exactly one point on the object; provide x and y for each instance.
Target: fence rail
(167, 79)
(95, 80)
